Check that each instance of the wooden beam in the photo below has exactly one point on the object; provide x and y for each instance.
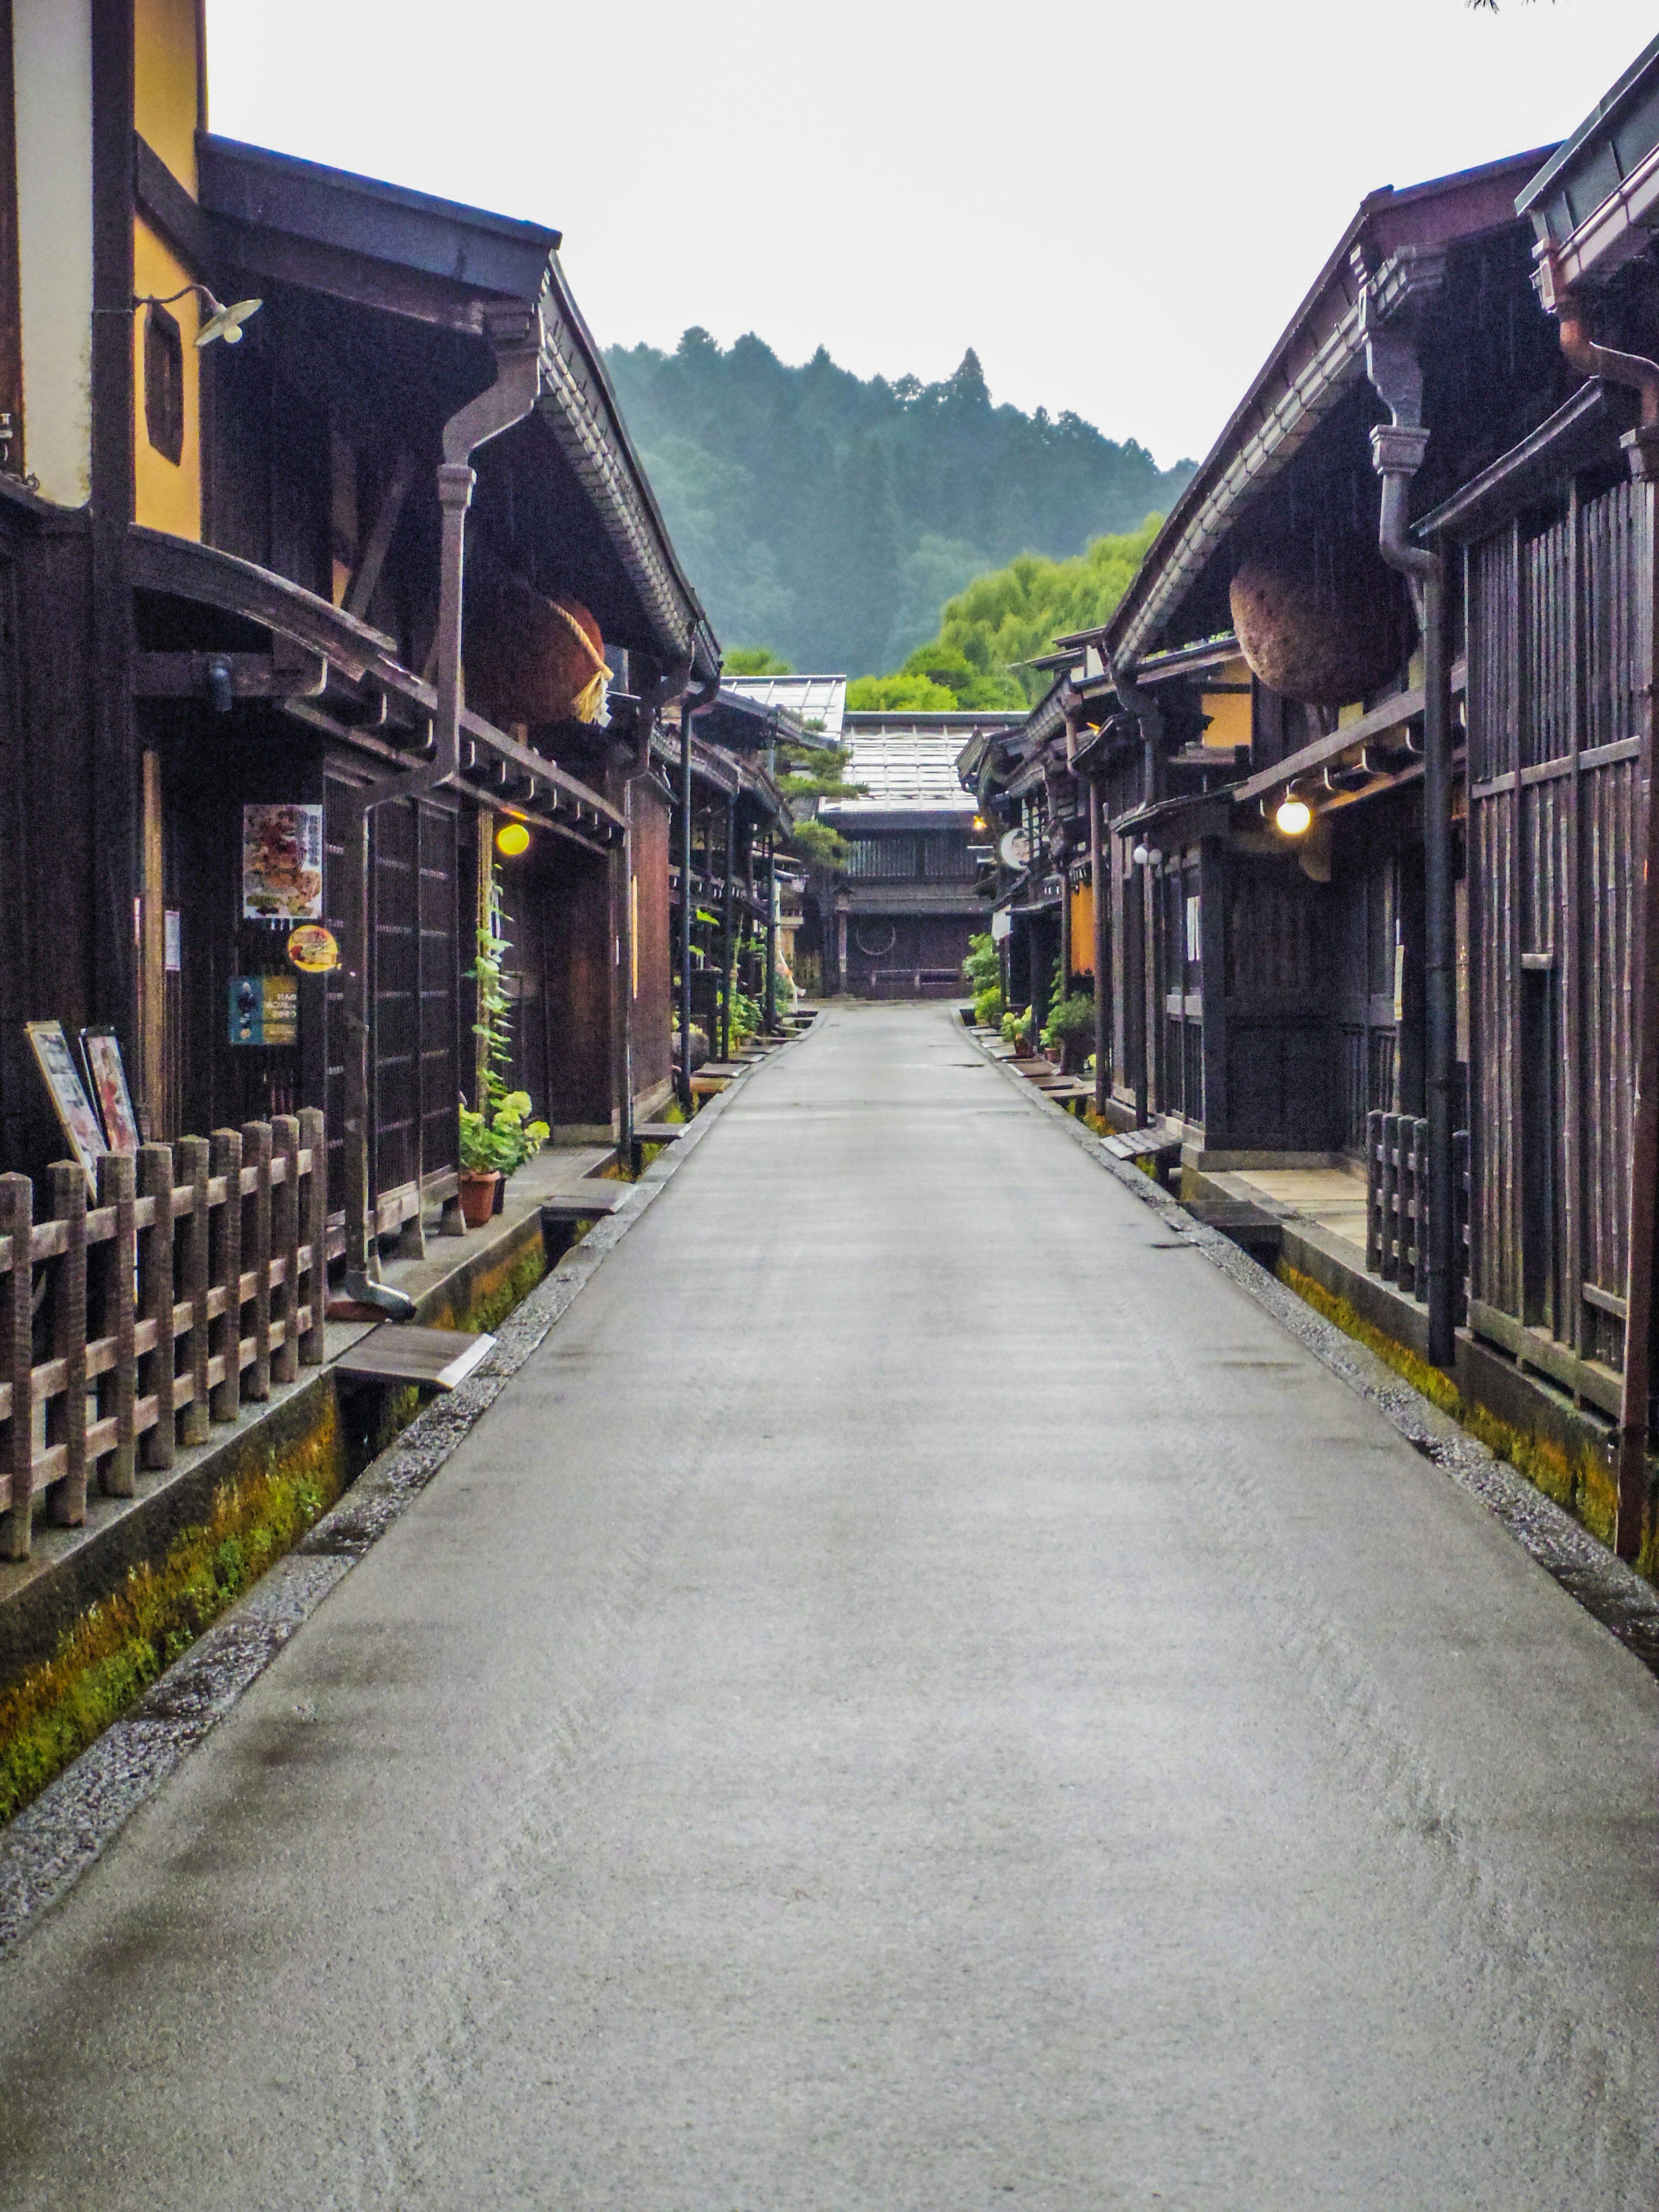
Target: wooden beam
(362, 589)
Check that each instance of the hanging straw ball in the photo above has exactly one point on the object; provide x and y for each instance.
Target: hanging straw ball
(529, 658)
(1318, 631)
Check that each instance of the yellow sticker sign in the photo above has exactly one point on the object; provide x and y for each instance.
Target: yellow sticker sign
(314, 950)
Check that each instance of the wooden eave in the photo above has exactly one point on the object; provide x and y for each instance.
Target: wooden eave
(507, 772)
(1583, 430)
(1394, 247)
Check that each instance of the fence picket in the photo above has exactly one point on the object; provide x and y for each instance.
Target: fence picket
(256, 1254)
(225, 1246)
(313, 1135)
(195, 1166)
(157, 1295)
(17, 1363)
(285, 1246)
(66, 1418)
(118, 1321)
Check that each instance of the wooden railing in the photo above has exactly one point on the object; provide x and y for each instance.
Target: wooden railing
(1397, 1204)
(128, 1328)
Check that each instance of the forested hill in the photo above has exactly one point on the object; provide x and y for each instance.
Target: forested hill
(830, 517)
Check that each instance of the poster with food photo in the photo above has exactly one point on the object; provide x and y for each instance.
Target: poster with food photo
(282, 863)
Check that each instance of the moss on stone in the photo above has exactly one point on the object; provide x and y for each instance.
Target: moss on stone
(1580, 1482)
(118, 1646)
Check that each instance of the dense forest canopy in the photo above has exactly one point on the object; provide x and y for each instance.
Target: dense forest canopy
(831, 516)
(988, 634)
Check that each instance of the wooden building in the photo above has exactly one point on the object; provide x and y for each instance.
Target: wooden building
(247, 561)
(1361, 759)
(894, 921)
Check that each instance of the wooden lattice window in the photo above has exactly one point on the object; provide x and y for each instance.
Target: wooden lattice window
(164, 383)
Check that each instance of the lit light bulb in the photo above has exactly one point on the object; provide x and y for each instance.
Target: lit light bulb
(1294, 817)
(227, 322)
(513, 838)
(1139, 856)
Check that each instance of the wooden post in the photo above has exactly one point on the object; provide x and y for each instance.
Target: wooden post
(1373, 1192)
(66, 1418)
(118, 1189)
(1421, 1202)
(17, 1363)
(313, 1136)
(256, 1253)
(195, 1165)
(285, 1245)
(225, 1266)
(156, 1297)
(1391, 1236)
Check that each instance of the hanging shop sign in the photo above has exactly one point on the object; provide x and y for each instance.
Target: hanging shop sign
(314, 950)
(76, 1115)
(265, 1010)
(282, 863)
(100, 1050)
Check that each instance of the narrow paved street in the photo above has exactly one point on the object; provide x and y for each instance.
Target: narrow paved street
(919, 1695)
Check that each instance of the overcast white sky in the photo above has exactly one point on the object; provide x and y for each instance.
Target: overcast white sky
(1119, 205)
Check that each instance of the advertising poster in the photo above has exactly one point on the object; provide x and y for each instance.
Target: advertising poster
(73, 1109)
(100, 1049)
(265, 1010)
(282, 863)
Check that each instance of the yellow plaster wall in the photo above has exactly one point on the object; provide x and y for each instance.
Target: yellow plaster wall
(164, 81)
(168, 496)
(1083, 930)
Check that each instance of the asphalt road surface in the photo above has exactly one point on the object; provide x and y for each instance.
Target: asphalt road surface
(919, 1695)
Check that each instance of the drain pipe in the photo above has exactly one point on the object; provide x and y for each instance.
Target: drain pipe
(1397, 449)
(694, 702)
(1641, 452)
(1072, 707)
(648, 705)
(1141, 703)
(517, 343)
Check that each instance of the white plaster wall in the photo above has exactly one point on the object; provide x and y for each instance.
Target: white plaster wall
(52, 61)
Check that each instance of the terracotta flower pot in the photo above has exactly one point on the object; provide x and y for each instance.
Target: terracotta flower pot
(478, 1188)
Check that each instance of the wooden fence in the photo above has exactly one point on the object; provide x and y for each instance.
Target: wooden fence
(1397, 1205)
(128, 1328)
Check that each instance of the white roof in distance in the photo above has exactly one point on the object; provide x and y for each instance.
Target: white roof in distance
(821, 699)
(908, 761)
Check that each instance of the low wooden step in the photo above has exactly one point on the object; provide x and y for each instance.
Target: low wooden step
(396, 1351)
(586, 1202)
(658, 1132)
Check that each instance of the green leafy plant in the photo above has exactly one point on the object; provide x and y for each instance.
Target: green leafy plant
(499, 1135)
(982, 973)
(502, 1137)
(1070, 1019)
(1017, 1026)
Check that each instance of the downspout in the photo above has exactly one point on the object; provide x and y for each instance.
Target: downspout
(728, 950)
(1141, 703)
(1072, 707)
(1641, 452)
(517, 344)
(1397, 450)
(693, 703)
(771, 931)
(651, 702)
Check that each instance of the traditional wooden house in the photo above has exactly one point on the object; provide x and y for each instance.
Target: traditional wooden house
(251, 554)
(895, 919)
(1405, 929)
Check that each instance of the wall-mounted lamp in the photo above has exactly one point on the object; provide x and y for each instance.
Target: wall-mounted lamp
(1294, 817)
(1147, 856)
(222, 322)
(513, 838)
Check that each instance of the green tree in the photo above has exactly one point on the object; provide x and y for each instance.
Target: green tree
(754, 660)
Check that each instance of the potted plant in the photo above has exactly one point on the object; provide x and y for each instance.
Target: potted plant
(494, 1143)
(1071, 1028)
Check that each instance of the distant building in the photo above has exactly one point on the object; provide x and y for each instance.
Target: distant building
(895, 921)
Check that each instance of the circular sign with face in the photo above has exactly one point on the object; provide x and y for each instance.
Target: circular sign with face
(314, 950)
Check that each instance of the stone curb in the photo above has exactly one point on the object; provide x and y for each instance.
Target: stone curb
(52, 1843)
(1614, 1593)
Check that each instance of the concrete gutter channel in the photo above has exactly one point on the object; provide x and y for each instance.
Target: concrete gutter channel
(52, 1841)
(1614, 1594)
